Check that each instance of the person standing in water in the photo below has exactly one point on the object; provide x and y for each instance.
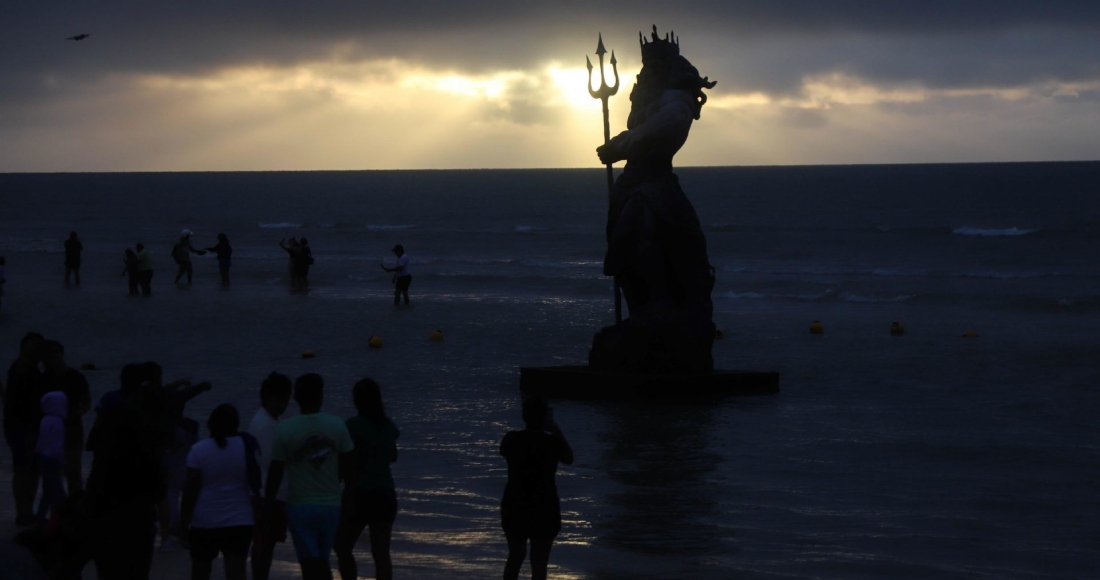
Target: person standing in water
(181, 253)
(130, 270)
(402, 277)
(73, 248)
(224, 252)
(531, 509)
(144, 269)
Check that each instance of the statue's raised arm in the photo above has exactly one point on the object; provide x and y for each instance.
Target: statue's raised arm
(655, 246)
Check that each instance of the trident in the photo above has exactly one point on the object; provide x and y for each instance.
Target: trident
(603, 93)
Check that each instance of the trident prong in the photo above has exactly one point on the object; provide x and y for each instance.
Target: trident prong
(603, 93)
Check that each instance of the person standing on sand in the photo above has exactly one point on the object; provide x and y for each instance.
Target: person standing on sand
(60, 377)
(22, 413)
(217, 499)
(144, 269)
(375, 506)
(181, 253)
(402, 277)
(314, 450)
(49, 452)
(73, 248)
(531, 509)
(225, 254)
(274, 398)
(125, 483)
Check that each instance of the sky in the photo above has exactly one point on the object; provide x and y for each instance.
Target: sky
(226, 85)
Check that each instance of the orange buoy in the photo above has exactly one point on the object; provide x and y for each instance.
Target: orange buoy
(436, 335)
(817, 328)
(896, 329)
(375, 342)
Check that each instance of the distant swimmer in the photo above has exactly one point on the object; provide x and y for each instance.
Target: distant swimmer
(402, 277)
(78, 37)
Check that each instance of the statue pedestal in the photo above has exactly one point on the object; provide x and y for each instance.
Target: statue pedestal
(583, 383)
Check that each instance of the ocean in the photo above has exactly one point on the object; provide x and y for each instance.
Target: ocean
(927, 455)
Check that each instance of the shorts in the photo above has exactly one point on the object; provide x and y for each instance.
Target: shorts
(375, 505)
(313, 528)
(534, 521)
(206, 543)
(276, 525)
(403, 283)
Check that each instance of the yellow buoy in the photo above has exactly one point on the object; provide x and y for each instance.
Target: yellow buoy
(87, 366)
(970, 334)
(375, 342)
(307, 353)
(817, 328)
(896, 329)
(436, 335)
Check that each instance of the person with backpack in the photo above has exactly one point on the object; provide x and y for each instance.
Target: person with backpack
(223, 475)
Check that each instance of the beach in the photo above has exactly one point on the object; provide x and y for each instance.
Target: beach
(928, 455)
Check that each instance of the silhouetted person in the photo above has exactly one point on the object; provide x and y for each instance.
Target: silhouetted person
(305, 260)
(402, 277)
(22, 413)
(144, 269)
(296, 255)
(314, 450)
(180, 434)
(73, 248)
(217, 499)
(125, 483)
(375, 503)
(129, 269)
(58, 376)
(531, 509)
(181, 253)
(225, 254)
(274, 398)
(49, 452)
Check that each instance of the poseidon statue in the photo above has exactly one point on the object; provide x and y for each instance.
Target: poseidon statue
(656, 250)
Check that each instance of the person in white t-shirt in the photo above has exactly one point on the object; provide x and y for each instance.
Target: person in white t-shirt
(216, 515)
(274, 399)
(402, 277)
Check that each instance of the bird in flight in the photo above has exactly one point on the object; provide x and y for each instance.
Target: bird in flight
(79, 37)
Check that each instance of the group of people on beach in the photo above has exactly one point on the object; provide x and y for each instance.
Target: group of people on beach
(238, 492)
(138, 264)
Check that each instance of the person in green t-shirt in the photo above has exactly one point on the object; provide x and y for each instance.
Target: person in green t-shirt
(375, 505)
(314, 450)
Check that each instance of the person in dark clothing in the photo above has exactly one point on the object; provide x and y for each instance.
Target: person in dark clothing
(22, 414)
(126, 482)
(375, 437)
(225, 253)
(130, 270)
(531, 509)
(73, 248)
(60, 377)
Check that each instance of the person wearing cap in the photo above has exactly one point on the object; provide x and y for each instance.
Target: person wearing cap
(181, 253)
(401, 275)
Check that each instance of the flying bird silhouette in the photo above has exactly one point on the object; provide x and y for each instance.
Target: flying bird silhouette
(79, 37)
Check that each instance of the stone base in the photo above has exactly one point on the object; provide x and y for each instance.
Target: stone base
(583, 383)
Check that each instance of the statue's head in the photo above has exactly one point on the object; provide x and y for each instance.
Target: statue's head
(663, 68)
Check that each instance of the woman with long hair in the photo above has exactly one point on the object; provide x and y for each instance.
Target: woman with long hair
(375, 499)
(216, 515)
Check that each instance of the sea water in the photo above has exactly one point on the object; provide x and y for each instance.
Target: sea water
(927, 455)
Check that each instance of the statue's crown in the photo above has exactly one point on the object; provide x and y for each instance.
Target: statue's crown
(657, 48)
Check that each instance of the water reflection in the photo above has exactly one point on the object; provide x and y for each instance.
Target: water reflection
(661, 456)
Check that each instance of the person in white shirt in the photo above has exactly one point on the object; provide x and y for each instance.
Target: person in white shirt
(216, 515)
(274, 399)
(402, 277)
